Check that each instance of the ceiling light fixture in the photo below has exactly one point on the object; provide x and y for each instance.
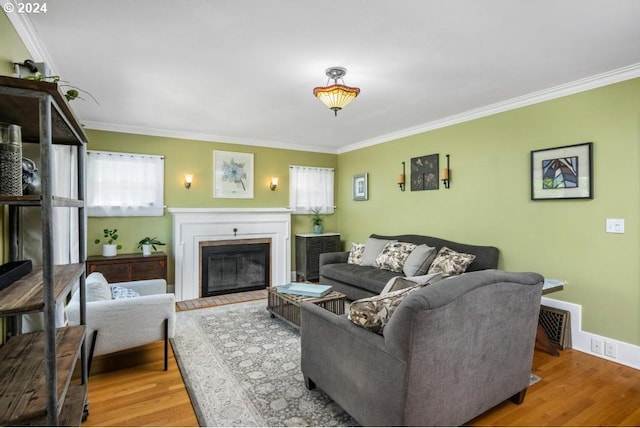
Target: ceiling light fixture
(335, 96)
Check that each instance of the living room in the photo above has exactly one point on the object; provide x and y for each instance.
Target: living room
(488, 201)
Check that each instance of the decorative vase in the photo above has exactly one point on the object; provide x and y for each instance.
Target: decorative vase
(109, 250)
(10, 159)
(146, 249)
(318, 228)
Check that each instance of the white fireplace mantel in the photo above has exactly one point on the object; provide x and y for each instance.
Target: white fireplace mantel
(194, 225)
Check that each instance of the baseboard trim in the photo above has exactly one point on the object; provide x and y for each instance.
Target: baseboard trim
(626, 353)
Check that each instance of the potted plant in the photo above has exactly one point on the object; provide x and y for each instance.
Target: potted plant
(110, 248)
(317, 219)
(147, 243)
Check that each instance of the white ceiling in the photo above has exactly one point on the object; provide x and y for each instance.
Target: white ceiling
(242, 71)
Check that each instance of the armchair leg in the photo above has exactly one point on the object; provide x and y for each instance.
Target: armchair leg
(94, 337)
(166, 344)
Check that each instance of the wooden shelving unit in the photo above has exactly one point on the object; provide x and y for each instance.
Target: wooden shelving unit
(36, 369)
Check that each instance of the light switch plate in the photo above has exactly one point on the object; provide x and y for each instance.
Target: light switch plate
(615, 225)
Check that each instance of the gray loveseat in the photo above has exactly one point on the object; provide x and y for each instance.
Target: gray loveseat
(449, 352)
(358, 281)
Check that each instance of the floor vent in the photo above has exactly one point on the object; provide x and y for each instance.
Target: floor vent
(555, 323)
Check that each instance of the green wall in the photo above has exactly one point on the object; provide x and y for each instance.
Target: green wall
(11, 47)
(196, 157)
(489, 199)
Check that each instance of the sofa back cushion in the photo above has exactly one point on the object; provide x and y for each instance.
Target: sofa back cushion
(486, 256)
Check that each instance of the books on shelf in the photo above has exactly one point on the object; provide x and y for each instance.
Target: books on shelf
(304, 289)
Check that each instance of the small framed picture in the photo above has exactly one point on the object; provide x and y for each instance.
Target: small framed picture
(562, 172)
(360, 187)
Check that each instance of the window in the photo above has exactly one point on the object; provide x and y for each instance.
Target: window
(310, 188)
(124, 184)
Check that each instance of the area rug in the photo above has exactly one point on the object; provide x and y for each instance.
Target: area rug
(242, 368)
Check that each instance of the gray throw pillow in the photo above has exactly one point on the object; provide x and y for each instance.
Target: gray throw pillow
(419, 260)
(372, 249)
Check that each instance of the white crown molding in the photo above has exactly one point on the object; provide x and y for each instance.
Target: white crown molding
(582, 85)
(29, 37)
(140, 130)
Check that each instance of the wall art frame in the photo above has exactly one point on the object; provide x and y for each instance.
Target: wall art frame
(232, 175)
(564, 172)
(361, 187)
(425, 172)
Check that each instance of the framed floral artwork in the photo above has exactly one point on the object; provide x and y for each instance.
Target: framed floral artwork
(562, 172)
(424, 173)
(232, 175)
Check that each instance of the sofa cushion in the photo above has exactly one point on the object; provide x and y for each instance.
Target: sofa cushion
(97, 287)
(419, 260)
(373, 313)
(355, 255)
(365, 277)
(449, 262)
(394, 255)
(372, 248)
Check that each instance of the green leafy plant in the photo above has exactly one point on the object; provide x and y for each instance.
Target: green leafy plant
(110, 236)
(316, 217)
(150, 241)
(72, 93)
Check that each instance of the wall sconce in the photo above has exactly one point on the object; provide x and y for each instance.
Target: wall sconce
(274, 183)
(401, 178)
(446, 175)
(188, 179)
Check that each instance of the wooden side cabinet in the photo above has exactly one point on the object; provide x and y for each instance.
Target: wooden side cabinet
(309, 246)
(129, 267)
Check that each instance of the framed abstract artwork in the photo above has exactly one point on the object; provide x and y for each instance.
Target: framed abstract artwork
(232, 175)
(424, 173)
(562, 172)
(360, 191)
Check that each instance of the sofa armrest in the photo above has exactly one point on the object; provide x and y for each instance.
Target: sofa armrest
(352, 365)
(334, 257)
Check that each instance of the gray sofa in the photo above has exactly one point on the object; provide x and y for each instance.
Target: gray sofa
(358, 281)
(449, 352)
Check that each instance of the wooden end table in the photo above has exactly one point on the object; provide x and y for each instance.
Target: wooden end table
(287, 306)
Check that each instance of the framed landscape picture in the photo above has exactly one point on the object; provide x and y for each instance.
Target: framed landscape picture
(232, 175)
(562, 172)
(360, 191)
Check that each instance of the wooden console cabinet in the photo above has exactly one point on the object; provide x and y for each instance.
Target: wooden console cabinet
(309, 246)
(129, 267)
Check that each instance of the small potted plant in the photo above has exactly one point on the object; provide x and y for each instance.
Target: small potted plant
(147, 243)
(110, 248)
(317, 219)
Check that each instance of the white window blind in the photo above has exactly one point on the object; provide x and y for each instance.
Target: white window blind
(310, 188)
(124, 184)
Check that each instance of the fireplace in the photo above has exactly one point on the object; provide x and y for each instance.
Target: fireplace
(234, 266)
(193, 226)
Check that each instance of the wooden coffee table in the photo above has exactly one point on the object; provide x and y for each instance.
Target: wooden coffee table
(287, 306)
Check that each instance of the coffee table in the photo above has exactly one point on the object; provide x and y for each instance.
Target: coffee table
(287, 306)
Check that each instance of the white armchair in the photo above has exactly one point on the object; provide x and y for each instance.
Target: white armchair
(122, 323)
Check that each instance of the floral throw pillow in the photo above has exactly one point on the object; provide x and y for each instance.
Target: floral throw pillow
(394, 255)
(355, 255)
(449, 262)
(123, 293)
(373, 313)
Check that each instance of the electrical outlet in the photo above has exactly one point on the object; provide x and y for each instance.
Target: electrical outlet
(610, 349)
(596, 346)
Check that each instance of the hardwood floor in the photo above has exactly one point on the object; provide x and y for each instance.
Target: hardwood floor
(577, 389)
